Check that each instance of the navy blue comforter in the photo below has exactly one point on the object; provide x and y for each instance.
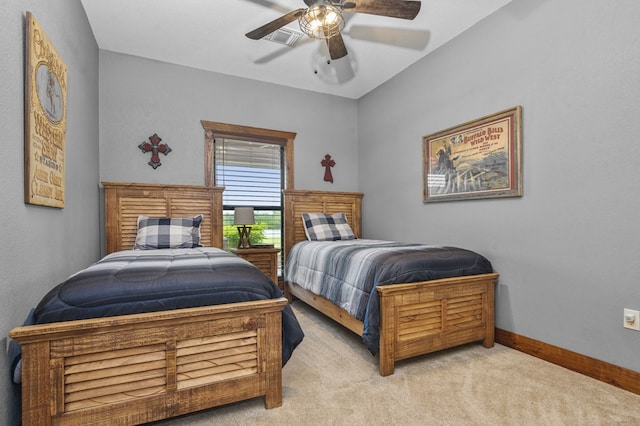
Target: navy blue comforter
(138, 281)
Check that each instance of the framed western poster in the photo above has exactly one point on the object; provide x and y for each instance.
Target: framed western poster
(478, 159)
(45, 119)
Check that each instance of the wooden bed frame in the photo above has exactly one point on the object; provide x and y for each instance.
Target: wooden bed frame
(140, 368)
(415, 318)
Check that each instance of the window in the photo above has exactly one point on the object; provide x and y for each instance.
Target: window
(252, 175)
(254, 165)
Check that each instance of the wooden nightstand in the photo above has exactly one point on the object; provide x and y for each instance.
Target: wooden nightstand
(266, 259)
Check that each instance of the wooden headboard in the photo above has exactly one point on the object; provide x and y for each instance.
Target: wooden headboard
(298, 201)
(124, 202)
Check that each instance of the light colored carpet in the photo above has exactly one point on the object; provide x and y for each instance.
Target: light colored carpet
(333, 380)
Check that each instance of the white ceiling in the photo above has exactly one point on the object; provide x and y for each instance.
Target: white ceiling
(209, 35)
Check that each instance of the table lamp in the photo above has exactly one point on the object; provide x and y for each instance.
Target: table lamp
(243, 216)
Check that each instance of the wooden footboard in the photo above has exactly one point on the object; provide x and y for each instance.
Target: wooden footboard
(140, 368)
(422, 317)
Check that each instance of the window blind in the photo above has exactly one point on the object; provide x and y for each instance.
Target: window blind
(251, 172)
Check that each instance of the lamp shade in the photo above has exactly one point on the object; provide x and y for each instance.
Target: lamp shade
(243, 216)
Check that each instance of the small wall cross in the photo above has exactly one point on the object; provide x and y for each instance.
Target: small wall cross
(327, 163)
(154, 147)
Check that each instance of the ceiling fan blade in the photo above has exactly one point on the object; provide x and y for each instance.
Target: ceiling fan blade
(337, 48)
(267, 29)
(393, 8)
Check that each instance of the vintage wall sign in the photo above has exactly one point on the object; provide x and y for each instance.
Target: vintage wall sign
(478, 159)
(45, 119)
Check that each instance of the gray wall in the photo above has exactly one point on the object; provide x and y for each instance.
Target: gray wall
(140, 97)
(42, 245)
(567, 251)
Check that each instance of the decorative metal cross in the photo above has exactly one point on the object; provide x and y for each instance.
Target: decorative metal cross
(327, 163)
(154, 147)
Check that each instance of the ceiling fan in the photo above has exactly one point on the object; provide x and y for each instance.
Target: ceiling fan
(323, 19)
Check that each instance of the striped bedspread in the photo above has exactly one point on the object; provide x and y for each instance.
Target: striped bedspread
(346, 272)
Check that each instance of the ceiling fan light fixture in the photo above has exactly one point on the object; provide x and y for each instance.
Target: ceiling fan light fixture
(322, 21)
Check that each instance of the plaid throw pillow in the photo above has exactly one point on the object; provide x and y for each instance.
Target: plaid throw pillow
(168, 232)
(327, 227)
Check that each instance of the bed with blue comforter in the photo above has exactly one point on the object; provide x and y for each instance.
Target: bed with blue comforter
(138, 281)
(404, 299)
(171, 327)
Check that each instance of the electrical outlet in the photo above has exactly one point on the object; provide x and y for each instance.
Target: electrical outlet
(631, 319)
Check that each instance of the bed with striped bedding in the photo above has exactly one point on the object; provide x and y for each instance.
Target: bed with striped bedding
(347, 272)
(405, 300)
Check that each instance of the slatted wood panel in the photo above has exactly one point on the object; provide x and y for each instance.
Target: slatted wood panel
(208, 360)
(419, 320)
(464, 312)
(124, 202)
(182, 207)
(108, 377)
(297, 202)
(101, 378)
(129, 208)
(266, 259)
(262, 261)
(446, 315)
